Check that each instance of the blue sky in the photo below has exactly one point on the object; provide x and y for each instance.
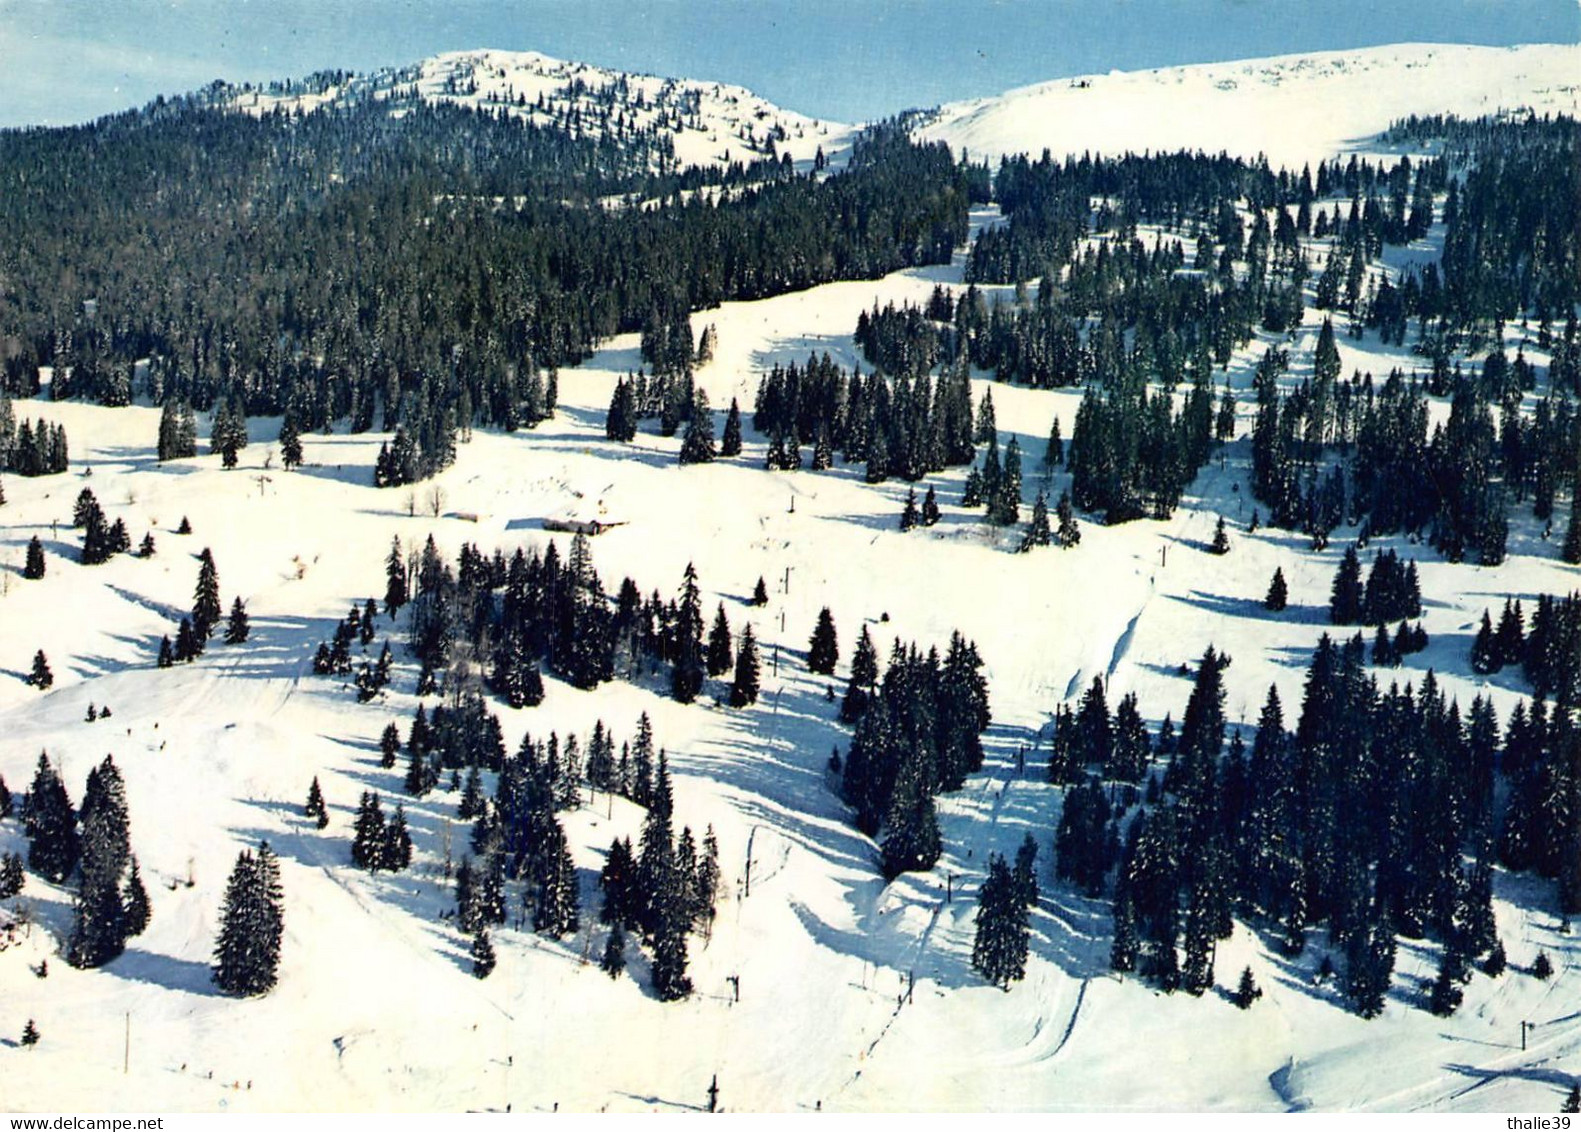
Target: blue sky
(70, 60)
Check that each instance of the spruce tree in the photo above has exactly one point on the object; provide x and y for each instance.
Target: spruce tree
(389, 745)
(720, 654)
(482, 955)
(1543, 967)
(187, 647)
(12, 875)
(51, 825)
(1484, 652)
(864, 679)
(247, 950)
(315, 807)
(206, 607)
(29, 1035)
(823, 650)
(41, 677)
(730, 443)
(236, 626)
(687, 676)
(909, 516)
(614, 958)
(1247, 991)
(1069, 534)
(367, 845)
(930, 507)
(1038, 533)
(1278, 596)
(395, 854)
(1572, 1099)
(33, 567)
(1221, 540)
(395, 590)
(166, 656)
(760, 594)
(744, 690)
(1345, 600)
(134, 901)
(290, 442)
(698, 445)
(999, 950)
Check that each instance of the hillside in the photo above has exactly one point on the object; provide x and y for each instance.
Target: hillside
(710, 125)
(818, 985)
(1294, 109)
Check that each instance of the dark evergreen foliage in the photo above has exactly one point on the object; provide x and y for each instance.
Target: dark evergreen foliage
(247, 949)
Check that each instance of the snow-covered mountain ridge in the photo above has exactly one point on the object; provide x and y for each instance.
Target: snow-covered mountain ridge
(710, 123)
(1293, 108)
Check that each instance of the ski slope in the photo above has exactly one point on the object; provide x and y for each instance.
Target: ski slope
(854, 994)
(1294, 109)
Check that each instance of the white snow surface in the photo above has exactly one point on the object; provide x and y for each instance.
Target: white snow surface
(711, 123)
(376, 1007)
(1294, 109)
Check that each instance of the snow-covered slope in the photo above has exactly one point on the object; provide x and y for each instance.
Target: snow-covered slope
(711, 124)
(376, 1008)
(1293, 108)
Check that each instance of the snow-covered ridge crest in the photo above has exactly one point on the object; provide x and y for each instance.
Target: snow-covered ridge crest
(710, 123)
(1293, 108)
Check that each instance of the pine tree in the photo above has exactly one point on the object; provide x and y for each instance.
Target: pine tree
(1572, 548)
(1484, 652)
(367, 845)
(1069, 533)
(290, 442)
(134, 901)
(823, 650)
(730, 443)
(744, 690)
(1054, 453)
(720, 655)
(482, 955)
(614, 960)
(1572, 1099)
(1038, 533)
(1345, 600)
(1123, 951)
(13, 875)
(206, 607)
(315, 807)
(187, 642)
(1247, 991)
(51, 825)
(1496, 962)
(1221, 540)
(395, 590)
(395, 854)
(33, 568)
(1278, 596)
(236, 627)
(760, 594)
(909, 516)
(1445, 997)
(247, 950)
(29, 1035)
(166, 657)
(698, 445)
(389, 745)
(864, 679)
(930, 508)
(41, 677)
(687, 676)
(999, 950)
(1542, 967)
